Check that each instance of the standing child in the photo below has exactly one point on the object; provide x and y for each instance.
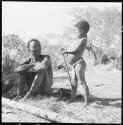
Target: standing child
(74, 57)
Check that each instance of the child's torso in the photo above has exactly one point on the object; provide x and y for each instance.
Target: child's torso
(73, 58)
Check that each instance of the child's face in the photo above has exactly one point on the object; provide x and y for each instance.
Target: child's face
(76, 31)
(35, 48)
(79, 31)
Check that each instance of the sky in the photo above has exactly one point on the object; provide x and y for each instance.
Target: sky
(34, 19)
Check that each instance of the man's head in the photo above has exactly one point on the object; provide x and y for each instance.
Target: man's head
(34, 47)
(83, 26)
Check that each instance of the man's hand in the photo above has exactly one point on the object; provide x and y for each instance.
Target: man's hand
(37, 67)
(41, 66)
(23, 68)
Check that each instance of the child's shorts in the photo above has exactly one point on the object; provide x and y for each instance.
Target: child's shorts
(79, 61)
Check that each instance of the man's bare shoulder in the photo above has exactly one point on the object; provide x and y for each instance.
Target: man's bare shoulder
(46, 56)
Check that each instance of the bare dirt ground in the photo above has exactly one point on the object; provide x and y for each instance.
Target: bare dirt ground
(105, 99)
(14, 115)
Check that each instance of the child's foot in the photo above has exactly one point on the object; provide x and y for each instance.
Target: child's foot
(71, 100)
(86, 104)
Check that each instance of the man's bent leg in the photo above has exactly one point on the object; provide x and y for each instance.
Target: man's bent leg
(45, 87)
(21, 84)
(29, 79)
(47, 84)
(37, 82)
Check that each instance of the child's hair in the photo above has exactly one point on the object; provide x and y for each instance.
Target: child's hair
(83, 24)
(36, 40)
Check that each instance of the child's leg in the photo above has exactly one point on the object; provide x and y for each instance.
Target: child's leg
(74, 86)
(80, 73)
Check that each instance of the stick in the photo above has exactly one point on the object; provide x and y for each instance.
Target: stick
(67, 70)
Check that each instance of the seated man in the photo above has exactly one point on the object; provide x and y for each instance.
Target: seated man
(36, 72)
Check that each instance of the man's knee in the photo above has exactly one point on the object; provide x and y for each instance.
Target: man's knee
(42, 72)
(21, 77)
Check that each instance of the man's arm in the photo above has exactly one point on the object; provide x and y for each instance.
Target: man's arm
(77, 48)
(24, 67)
(40, 66)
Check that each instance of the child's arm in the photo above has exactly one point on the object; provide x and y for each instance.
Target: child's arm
(75, 49)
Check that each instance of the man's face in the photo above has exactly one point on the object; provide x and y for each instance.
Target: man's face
(35, 48)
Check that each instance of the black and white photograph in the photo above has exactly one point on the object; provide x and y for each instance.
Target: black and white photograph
(61, 62)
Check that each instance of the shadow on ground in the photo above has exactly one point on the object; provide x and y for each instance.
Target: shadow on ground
(66, 93)
(115, 102)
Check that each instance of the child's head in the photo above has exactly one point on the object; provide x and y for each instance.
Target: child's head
(34, 47)
(83, 26)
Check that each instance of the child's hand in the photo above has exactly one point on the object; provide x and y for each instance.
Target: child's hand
(63, 51)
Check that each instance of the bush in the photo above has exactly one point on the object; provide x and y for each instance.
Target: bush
(118, 63)
(104, 59)
(8, 64)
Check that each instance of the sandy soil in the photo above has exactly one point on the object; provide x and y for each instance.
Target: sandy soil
(105, 100)
(14, 115)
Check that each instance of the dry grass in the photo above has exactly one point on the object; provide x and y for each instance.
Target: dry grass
(105, 99)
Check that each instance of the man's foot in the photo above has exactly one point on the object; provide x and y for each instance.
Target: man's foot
(25, 97)
(17, 98)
